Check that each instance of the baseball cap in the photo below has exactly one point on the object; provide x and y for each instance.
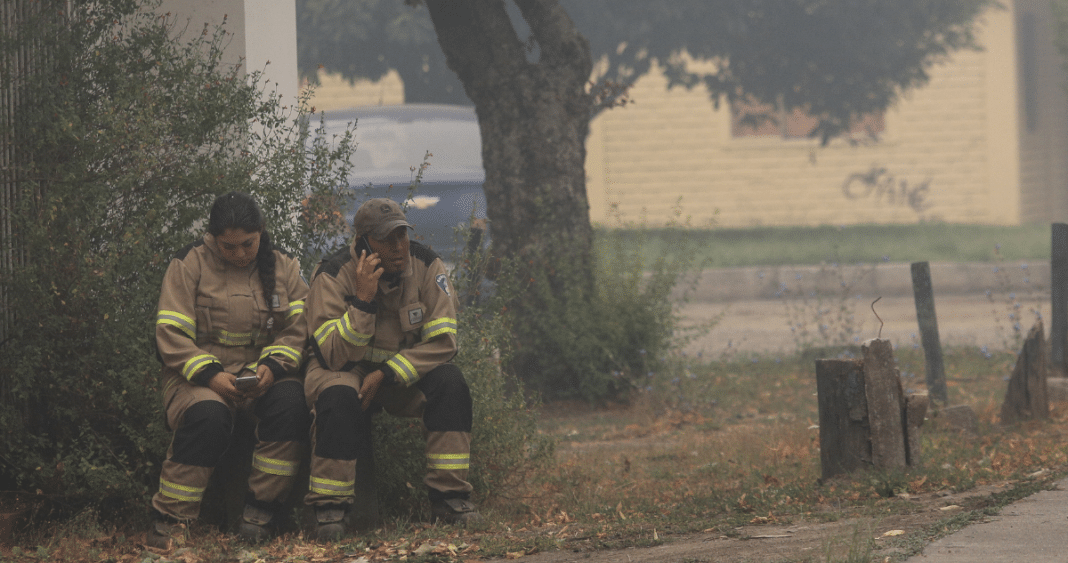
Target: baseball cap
(378, 217)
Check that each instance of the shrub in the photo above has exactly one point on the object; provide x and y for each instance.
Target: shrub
(125, 132)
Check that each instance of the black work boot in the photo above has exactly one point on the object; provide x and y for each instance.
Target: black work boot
(254, 524)
(330, 522)
(165, 532)
(454, 511)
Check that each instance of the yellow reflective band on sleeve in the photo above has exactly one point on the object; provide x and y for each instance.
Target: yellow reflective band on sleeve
(295, 308)
(332, 488)
(275, 466)
(438, 327)
(349, 333)
(287, 351)
(449, 461)
(180, 492)
(403, 368)
(196, 363)
(324, 331)
(228, 338)
(183, 323)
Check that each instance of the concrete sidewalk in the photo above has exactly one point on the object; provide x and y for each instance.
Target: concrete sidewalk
(1030, 530)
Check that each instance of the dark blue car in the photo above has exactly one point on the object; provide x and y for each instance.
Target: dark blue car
(392, 142)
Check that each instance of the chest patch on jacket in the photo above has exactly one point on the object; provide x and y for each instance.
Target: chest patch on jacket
(443, 283)
(415, 316)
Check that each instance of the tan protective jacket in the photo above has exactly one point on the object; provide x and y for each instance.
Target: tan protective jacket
(410, 326)
(213, 316)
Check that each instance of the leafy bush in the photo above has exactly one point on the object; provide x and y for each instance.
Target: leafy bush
(125, 131)
(506, 447)
(599, 339)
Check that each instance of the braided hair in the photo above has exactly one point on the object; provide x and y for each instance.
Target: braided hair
(236, 210)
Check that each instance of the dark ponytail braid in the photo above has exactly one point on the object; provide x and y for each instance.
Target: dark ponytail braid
(265, 264)
(236, 210)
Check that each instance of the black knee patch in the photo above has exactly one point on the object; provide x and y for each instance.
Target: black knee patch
(337, 420)
(283, 413)
(203, 435)
(448, 400)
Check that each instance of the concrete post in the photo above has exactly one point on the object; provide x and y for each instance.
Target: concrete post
(928, 321)
(1058, 290)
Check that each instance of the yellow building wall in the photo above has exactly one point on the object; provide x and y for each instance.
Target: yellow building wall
(948, 153)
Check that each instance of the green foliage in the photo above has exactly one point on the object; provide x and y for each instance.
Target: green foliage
(506, 447)
(125, 132)
(599, 339)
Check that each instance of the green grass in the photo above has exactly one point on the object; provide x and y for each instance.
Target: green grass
(774, 246)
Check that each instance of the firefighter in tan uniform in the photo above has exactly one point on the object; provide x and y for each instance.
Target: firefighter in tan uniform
(382, 317)
(231, 306)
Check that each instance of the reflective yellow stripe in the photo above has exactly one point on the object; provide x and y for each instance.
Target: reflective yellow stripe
(438, 327)
(324, 331)
(234, 338)
(378, 355)
(287, 351)
(449, 461)
(183, 323)
(404, 369)
(275, 466)
(332, 488)
(349, 333)
(295, 308)
(196, 363)
(180, 492)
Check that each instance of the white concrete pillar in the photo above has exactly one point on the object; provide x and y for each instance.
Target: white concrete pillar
(262, 31)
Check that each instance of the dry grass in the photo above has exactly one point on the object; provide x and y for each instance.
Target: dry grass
(709, 447)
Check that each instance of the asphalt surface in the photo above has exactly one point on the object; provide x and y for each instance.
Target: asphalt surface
(759, 311)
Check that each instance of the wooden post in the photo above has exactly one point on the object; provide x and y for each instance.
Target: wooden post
(1026, 397)
(1058, 293)
(886, 402)
(928, 321)
(844, 443)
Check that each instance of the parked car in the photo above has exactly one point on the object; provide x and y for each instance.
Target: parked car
(392, 142)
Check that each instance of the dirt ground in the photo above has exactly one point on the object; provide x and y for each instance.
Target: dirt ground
(762, 326)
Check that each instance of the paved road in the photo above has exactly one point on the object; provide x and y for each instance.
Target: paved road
(757, 307)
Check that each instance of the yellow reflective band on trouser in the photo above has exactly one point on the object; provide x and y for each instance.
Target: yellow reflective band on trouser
(275, 466)
(332, 488)
(437, 327)
(295, 308)
(287, 351)
(449, 461)
(183, 323)
(403, 368)
(180, 492)
(196, 363)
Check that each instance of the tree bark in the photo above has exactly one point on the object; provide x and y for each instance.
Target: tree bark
(534, 118)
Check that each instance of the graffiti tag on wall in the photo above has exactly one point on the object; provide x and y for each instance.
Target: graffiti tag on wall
(883, 187)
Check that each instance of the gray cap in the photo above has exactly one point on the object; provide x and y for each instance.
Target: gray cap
(378, 217)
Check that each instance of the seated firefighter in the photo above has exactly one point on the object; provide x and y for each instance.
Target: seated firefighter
(382, 318)
(230, 333)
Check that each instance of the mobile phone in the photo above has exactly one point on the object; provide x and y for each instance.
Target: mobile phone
(246, 381)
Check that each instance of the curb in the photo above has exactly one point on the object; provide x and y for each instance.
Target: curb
(889, 279)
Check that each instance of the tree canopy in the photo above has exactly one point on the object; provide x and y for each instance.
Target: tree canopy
(835, 59)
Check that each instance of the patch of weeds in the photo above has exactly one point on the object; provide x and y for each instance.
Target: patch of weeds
(825, 320)
(857, 549)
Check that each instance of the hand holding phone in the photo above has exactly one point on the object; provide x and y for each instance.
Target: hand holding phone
(246, 382)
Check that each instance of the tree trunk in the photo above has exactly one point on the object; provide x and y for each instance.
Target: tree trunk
(534, 118)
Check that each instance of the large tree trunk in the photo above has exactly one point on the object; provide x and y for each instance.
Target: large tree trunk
(534, 118)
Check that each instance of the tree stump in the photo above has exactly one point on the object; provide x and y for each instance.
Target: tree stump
(866, 421)
(1027, 397)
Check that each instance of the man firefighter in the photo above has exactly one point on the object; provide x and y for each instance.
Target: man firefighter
(382, 322)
